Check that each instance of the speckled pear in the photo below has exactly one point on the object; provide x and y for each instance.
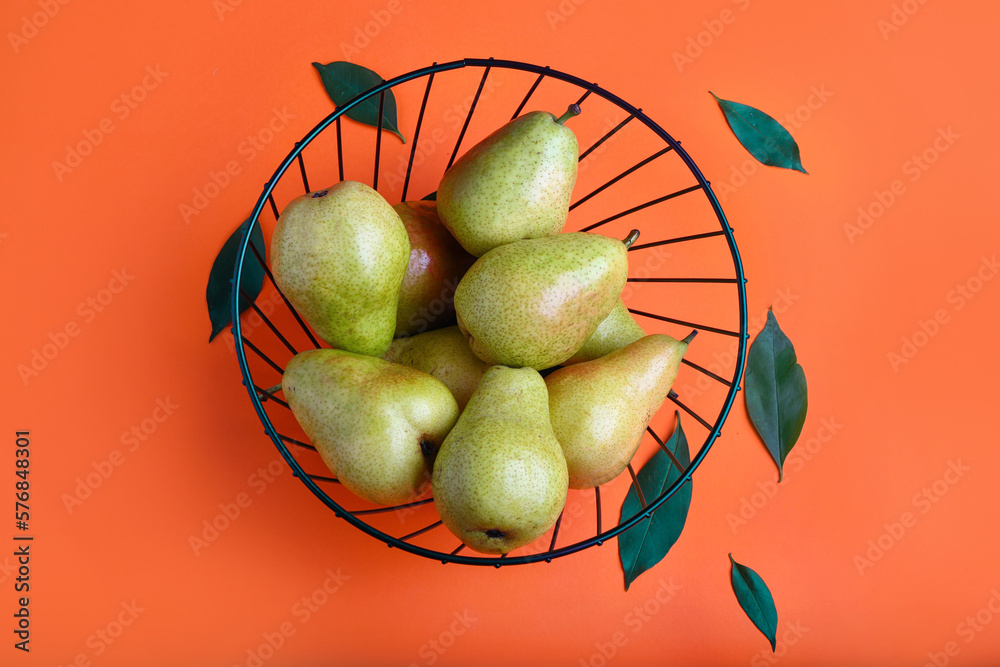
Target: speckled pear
(617, 330)
(601, 408)
(377, 425)
(339, 255)
(514, 184)
(446, 355)
(437, 263)
(500, 478)
(536, 302)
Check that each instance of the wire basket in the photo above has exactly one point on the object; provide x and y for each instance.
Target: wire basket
(684, 272)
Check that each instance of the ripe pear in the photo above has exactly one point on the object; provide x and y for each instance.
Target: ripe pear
(617, 330)
(514, 184)
(437, 263)
(445, 354)
(377, 425)
(536, 302)
(601, 408)
(500, 478)
(339, 255)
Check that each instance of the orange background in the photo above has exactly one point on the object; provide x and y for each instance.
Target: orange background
(225, 69)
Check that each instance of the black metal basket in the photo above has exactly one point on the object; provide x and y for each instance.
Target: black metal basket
(695, 231)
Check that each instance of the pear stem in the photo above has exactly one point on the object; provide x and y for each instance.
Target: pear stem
(573, 110)
(632, 237)
(690, 336)
(270, 391)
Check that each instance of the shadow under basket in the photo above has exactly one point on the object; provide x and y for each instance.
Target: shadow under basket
(685, 273)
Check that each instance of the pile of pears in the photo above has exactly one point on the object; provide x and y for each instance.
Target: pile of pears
(440, 315)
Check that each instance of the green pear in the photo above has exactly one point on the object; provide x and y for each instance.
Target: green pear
(617, 330)
(445, 354)
(536, 302)
(377, 425)
(437, 263)
(514, 184)
(339, 255)
(500, 478)
(601, 408)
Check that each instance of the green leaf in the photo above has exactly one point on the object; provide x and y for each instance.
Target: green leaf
(645, 544)
(761, 135)
(220, 278)
(776, 393)
(753, 595)
(344, 81)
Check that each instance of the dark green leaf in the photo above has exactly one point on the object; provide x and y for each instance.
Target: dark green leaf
(431, 197)
(761, 135)
(775, 391)
(645, 544)
(755, 598)
(220, 278)
(344, 81)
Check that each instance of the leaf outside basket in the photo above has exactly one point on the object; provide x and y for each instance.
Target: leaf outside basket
(344, 81)
(220, 278)
(645, 544)
(776, 394)
(762, 136)
(755, 599)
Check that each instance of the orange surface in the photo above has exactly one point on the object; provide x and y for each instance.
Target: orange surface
(101, 263)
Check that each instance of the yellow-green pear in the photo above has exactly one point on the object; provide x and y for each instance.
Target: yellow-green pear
(437, 263)
(601, 408)
(617, 330)
(339, 255)
(536, 302)
(514, 184)
(377, 425)
(446, 355)
(500, 478)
